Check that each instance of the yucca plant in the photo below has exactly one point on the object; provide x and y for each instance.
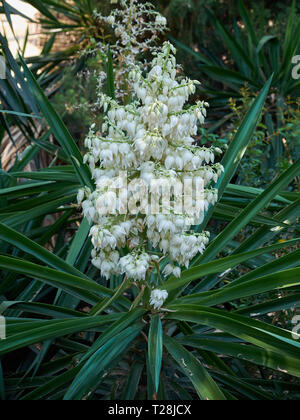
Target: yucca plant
(73, 335)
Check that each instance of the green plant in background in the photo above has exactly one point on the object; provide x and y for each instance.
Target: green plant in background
(251, 61)
(72, 24)
(69, 31)
(252, 58)
(95, 343)
(88, 28)
(15, 98)
(255, 169)
(48, 68)
(189, 23)
(76, 102)
(290, 130)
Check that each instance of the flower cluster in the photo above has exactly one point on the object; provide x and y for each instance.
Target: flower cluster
(158, 298)
(137, 27)
(152, 139)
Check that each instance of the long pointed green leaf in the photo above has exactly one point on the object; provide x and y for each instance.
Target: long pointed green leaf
(249, 212)
(30, 247)
(51, 330)
(155, 349)
(56, 278)
(247, 329)
(265, 284)
(238, 147)
(92, 372)
(252, 354)
(56, 124)
(220, 265)
(198, 375)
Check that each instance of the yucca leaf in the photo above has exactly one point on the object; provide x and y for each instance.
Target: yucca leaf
(204, 385)
(283, 279)
(241, 58)
(78, 241)
(249, 212)
(220, 265)
(52, 385)
(155, 349)
(56, 124)
(290, 260)
(70, 283)
(131, 388)
(84, 177)
(21, 217)
(254, 332)
(40, 5)
(19, 190)
(52, 329)
(264, 41)
(238, 147)
(19, 114)
(92, 372)
(50, 175)
(122, 322)
(291, 302)
(242, 389)
(246, 18)
(288, 214)
(234, 79)
(30, 247)
(54, 311)
(106, 303)
(251, 192)
(17, 83)
(252, 354)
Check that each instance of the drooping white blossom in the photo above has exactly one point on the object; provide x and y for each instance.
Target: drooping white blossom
(135, 266)
(158, 298)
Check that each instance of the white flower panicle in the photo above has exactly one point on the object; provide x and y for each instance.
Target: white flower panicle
(158, 298)
(137, 27)
(135, 266)
(152, 139)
